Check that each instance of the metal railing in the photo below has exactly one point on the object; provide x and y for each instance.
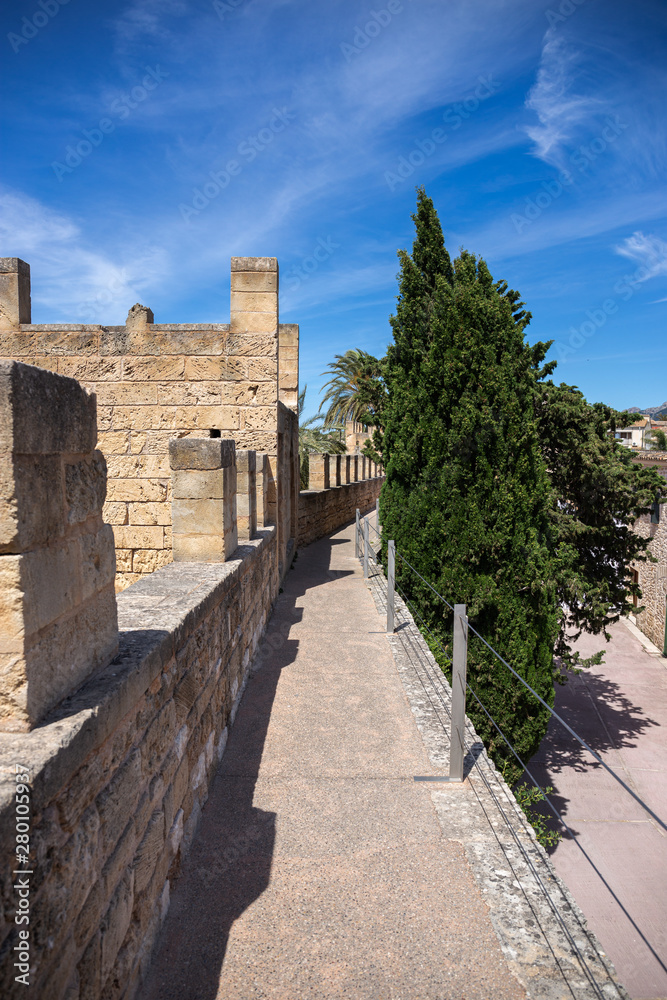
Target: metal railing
(459, 748)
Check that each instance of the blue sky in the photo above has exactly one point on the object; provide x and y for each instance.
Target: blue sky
(145, 143)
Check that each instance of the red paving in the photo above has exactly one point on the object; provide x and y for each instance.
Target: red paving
(620, 709)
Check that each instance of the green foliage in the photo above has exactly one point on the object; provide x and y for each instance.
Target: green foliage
(657, 440)
(598, 492)
(528, 796)
(467, 496)
(354, 391)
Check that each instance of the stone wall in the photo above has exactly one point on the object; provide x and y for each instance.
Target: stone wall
(57, 605)
(653, 576)
(112, 782)
(120, 773)
(155, 382)
(325, 509)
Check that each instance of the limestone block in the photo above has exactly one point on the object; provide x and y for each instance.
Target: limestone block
(55, 661)
(114, 442)
(152, 369)
(149, 513)
(201, 453)
(254, 264)
(85, 487)
(347, 468)
(246, 497)
(136, 490)
(263, 370)
(195, 484)
(115, 924)
(254, 281)
(289, 336)
(255, 322)
(139, 317)
(319, 472)
(252, 345)
(337, 467)
(14, 292)
(199, 548)
(253, 301)
(126, 393)
(31, 501)
(215, 369)
(148, 852)
(355, 468)
(197, 516)
(149, 560)
(44, 414)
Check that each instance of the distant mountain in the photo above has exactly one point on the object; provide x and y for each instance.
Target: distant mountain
(650, 411)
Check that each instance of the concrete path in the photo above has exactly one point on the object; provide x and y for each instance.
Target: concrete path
(320, 869)
(620, 709)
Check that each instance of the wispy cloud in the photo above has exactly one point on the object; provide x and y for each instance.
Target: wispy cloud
(649, 252)
(559, 108)
(71, 279)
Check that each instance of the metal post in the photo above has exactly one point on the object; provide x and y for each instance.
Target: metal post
(356, 536)
(377, 515)
(459, 670)
(367, 547)
(391, 573)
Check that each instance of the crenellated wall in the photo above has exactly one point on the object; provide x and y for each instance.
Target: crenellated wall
(339, 484)
(115, 769)
(155, 382)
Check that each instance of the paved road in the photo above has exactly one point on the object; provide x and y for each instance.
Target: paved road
(320, 869)
(620, 709)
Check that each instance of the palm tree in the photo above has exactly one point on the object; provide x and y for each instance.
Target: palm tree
(314, 438)
(349, 373)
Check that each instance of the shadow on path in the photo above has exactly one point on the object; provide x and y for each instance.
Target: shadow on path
(229, 864)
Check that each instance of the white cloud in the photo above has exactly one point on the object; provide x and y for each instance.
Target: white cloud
(649, 252)
(559, 109)
(70, 278)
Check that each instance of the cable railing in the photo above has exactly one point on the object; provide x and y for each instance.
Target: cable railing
(459, 748)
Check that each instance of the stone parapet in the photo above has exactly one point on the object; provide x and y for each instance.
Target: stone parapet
(119, 775)
(58, 619)
(155, 382)
(246, 493)
(323, 511)
(203, 505)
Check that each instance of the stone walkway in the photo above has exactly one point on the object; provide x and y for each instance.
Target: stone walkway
(620, 709)
(320, 869)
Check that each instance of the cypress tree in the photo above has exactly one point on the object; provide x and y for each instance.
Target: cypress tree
(467, 496)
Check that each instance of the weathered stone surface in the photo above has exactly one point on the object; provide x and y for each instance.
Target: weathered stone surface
(14, 292)
(323, 511)
(139, 316)
(44, 414)
(85, 487)
(31, 501)
(201, 453)
(254, 264)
